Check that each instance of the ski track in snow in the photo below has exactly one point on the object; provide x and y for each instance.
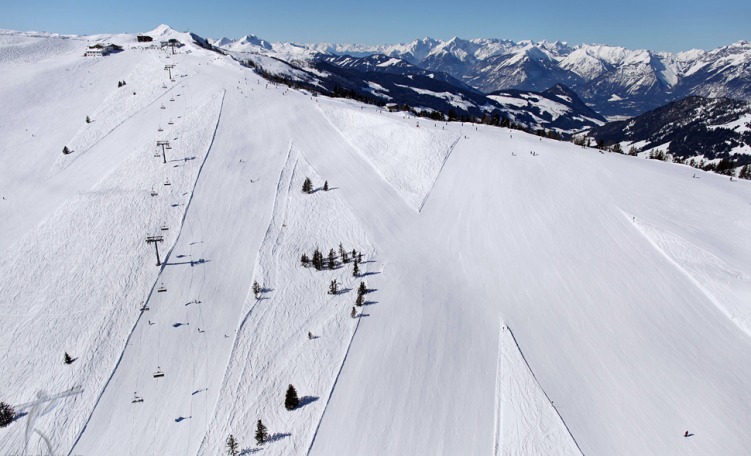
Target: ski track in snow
(527, 422)
(271, 348)
(409, 158)
(140, 91)
(98, 226)
(724, 285)
(212, 113)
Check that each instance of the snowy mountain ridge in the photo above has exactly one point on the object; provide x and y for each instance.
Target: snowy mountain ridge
(612, 79)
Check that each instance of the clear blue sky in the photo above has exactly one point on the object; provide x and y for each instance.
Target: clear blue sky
(661, 25)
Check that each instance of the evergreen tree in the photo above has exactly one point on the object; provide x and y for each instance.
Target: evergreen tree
(355, 270)
(353, 314)
(256, 289)
(304, 259)
(232, 446)
(67, 359)
(354, 253)
(333, 287)
(326, 186)
(317, 259)
(66, 151)
(332, 259)
(307, 186)
(359, 257)
(6, 414)
(119, 84)
(291, 401)
(88, 120)
(262, 433)
(745, 172)
(360, 300)
(362, 289)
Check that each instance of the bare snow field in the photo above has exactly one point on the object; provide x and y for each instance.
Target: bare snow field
(567, 302)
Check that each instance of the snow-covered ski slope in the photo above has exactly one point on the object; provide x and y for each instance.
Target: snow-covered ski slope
(567, 302)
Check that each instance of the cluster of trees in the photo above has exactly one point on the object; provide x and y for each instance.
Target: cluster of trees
(291, 402)
(257, 289)
(333, 260)
(120, 84)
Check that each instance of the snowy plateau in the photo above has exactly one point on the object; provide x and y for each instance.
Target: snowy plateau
(522, 296)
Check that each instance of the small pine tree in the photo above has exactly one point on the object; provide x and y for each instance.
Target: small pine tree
(317, 259)
(355, 270)
(360, 300)
(359, 257)
(119, 84)
(232, 446)
(332, 259)
(304, 259)
(745, 172)
(333, 287)
(88, 120)
(256, 289)
(307, 185)
(291, 401)
(362, 289)
(262, 433)
(6, 414)
(326, 186)
(354, 253)
(66, 151)
(345, 257)
(67, 359)
(353, 314)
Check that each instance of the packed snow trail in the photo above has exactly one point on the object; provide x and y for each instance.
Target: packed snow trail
(272, 348)
(84, 274)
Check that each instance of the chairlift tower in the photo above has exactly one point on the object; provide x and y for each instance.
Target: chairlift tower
(170, 67)
(154, 240)
(164, 144)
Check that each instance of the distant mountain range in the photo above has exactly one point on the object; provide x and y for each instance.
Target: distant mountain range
(614, 81)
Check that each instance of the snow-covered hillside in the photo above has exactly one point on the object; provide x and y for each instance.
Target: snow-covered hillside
(524, 296)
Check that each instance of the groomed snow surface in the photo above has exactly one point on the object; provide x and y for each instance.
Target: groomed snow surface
(567, 302)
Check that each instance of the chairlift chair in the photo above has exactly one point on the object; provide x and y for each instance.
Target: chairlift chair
(170, 122)
(167, 182)
(153, 192)
(161, 288)
(158, 373)
(168, 147)
(160, 128)
(164, 86)
(172, 99)
(136, 399)
(162, 107)
(164, 227)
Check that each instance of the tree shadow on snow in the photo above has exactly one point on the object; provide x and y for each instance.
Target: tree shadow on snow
(278, 436)
(370, 273)
(247, 451)
(182, 418)
(369, 303)
(305, 400)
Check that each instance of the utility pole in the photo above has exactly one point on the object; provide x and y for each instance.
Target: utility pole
(163, 143)
(170, 67)
(154, 240)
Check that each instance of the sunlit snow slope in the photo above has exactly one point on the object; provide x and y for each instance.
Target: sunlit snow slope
(567, 302)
